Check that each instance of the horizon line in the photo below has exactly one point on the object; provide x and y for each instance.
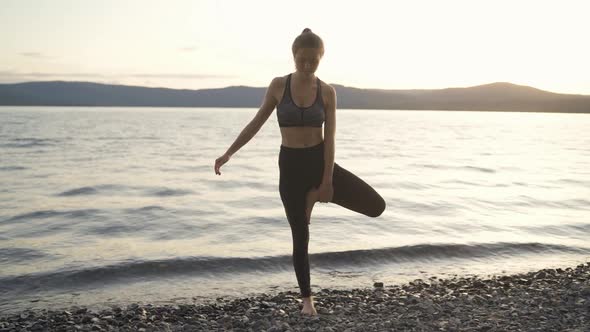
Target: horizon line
(264, 87)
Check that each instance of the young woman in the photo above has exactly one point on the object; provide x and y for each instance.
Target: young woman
(308, 172)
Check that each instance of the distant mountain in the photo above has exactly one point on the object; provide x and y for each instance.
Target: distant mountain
(489, 97)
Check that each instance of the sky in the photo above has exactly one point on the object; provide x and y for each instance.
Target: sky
(390, 44)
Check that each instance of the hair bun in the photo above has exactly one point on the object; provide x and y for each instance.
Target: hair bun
(306, 30)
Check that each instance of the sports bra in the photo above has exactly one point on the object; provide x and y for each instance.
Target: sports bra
(291, 115)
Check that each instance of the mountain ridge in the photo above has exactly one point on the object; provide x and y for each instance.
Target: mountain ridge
(495, 96)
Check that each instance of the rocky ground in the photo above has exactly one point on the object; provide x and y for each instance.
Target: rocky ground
(546, 300)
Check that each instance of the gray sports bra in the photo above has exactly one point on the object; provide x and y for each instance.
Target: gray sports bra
(291, 115)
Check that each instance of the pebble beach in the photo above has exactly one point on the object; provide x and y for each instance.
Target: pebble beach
(543, 300)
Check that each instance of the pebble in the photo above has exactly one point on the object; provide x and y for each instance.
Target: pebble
(545, 300)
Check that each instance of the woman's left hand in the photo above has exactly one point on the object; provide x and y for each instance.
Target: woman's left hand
(326, 192)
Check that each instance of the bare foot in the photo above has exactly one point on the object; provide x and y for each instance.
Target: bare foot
(312, 197)
(308, 307)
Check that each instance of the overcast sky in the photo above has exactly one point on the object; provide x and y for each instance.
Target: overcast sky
(369, 44)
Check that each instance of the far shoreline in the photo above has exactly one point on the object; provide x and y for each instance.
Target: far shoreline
(247, 107)
(491, 97)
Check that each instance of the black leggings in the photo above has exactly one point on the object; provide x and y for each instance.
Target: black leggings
(302, 169)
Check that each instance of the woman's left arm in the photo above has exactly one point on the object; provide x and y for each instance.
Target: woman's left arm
(326, 190)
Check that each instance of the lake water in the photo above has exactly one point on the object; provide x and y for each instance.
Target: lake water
(103, 206)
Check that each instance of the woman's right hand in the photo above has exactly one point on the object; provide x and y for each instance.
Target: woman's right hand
(220, 161)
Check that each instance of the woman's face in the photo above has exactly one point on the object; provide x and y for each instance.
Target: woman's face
(307, 59)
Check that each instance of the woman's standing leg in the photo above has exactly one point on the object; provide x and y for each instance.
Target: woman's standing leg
(294, 203)
(300, 170)
(293, 182)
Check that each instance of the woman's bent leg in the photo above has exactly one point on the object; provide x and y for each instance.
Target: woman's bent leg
(353, 193)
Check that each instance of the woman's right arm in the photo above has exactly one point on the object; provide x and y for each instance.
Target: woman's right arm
(268, 105)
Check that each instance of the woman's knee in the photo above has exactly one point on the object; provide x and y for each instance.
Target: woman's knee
(379, 208)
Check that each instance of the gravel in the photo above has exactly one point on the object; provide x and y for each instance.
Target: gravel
(544, 300)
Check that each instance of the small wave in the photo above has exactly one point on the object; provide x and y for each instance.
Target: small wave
(147, 208)
(213, 266)
(467, 167)
(12, 168)
(109, 189)
(434, 208)
(96, 190)
(43, 214)
(410, 185)
(122, 138)
(428, 166)
(237, 185)
(19, 255)
(579, 204)
(196, 169)
(581, 230)
(436, 251)
(480, 169)
(29, 142)
(468, 183)
(581, 183)
(79, 191)
(168, 192)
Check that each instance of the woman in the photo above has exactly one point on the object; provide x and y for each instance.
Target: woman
(308, 172)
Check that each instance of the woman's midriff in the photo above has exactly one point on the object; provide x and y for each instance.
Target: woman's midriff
(301, 137)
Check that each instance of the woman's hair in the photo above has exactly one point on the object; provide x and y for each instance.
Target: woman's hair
(307, 39)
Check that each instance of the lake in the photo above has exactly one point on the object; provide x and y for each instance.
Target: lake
(116, 205)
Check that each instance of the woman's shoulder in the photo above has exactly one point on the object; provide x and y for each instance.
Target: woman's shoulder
(327, 88)
(277, 86)
(280, 79)
(279, 82)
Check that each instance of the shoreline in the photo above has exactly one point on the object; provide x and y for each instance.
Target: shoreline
(543, 300)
